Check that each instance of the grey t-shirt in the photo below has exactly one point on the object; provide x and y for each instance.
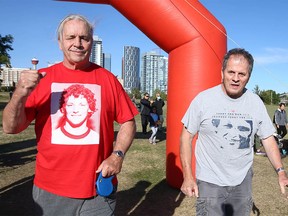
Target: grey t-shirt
(226, 129)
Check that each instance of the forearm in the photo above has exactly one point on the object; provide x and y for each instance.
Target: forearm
(272, 152)
(186, 159)
(186, 153)
(125, 136)
(14, 117)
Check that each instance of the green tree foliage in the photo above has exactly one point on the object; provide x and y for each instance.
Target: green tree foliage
(268, 96)
(265, 97)
(136, 92)
(5, 46)
(163, 95)
(257, 90)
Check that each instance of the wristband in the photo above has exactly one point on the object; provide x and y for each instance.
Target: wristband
(280, 169)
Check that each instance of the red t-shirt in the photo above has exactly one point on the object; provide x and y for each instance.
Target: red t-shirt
(66, 165)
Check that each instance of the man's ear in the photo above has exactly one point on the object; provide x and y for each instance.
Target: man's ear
(62, 110)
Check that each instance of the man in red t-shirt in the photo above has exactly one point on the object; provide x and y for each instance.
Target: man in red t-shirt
(74, 104)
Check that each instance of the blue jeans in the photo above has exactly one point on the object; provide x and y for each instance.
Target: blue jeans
(48, 204)
(225, 200)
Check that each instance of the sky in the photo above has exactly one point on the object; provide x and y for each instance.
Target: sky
(259, 26)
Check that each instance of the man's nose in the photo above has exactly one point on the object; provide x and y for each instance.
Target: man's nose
(78, 42)
(235, 77)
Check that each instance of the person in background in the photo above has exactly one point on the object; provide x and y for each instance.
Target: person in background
(257, 146)
(154, 121)
(65, 175)
(145, 112)
(225, 119)
(159, 104)
(281, 120)
(133, 99)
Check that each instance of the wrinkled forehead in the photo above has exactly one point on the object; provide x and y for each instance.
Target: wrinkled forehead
(237, 63)
(76, 26)
(238, 59)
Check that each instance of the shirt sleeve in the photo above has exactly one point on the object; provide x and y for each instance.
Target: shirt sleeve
(126, 110)
(265, 125)
(191, 119)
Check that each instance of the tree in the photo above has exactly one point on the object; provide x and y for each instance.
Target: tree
(257, 90)
(275, 97)
(5, 46)
(266, 97)
(136, 92)
(162, 94)
(270, 97)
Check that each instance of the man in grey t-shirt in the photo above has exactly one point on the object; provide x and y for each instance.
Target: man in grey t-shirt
(226, 118)
(281, 120)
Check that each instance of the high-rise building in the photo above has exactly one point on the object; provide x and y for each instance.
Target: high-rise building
(107, 61)
(131, 68)
(10, 76)
(97, 51)
(154, 72)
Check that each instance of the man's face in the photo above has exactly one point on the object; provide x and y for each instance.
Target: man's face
(237, 133)
(235, 76)
(76, 43)
(77, 110)
(282, 107)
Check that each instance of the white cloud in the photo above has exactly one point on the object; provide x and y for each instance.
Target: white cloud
(272, 56)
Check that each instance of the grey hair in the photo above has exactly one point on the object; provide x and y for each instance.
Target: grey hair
(241, 52)
(74, 17)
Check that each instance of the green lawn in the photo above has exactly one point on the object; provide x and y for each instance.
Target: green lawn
(142, 185)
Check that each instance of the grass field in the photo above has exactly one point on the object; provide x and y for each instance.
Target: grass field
(142, 185)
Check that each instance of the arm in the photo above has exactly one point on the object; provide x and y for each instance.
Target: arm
(189, 186)
(14, 117)
(145, 103)
(113, 164)
(277, 118)
(273, 154)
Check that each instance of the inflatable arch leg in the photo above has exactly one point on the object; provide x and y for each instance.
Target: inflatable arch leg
(195, 42)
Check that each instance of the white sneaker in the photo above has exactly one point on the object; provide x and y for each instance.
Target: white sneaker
(258, 152)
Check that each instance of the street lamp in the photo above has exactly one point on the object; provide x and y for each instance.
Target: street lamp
(34, 62)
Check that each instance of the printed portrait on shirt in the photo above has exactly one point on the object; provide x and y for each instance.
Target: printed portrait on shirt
(235, 132)
(77, 118)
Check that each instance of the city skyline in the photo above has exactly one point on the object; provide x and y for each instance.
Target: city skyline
(33, 26)
(153, 69)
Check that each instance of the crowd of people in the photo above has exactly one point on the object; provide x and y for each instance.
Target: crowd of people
(152, 114)
(74, 104)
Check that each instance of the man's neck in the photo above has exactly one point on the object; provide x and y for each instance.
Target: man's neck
(76, 66)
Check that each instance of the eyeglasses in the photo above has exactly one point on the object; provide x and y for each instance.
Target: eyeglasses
(146, 95)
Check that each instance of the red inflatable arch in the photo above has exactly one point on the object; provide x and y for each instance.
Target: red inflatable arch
(195, 42)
